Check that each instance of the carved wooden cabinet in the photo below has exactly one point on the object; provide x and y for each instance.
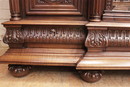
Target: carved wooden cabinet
(90, 35)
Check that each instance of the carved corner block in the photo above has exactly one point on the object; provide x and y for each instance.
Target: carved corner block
(14, 36)
(96, 39)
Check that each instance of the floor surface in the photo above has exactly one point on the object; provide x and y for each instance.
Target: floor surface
(42, 76)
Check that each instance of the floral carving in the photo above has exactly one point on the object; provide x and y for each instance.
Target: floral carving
(55, 1)
(96, 38)
(46, 34)
(14, 35)
(108, 38)
(55, 34)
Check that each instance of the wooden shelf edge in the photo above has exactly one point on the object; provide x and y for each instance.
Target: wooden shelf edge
(108, 24)
(62, 57)
(40, 60)
(104, 63)
(44, 22)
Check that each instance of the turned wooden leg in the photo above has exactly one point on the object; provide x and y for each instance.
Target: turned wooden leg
(91, 76)
(19, 70)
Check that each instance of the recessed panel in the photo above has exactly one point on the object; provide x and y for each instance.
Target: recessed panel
(55, 7)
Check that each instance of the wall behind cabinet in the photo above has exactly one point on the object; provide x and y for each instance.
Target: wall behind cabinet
(4, 16)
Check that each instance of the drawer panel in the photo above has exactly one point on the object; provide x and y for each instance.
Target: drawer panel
(55, 34)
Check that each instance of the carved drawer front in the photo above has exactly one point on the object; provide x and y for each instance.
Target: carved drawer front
(55, 7)
(46, 34)
(109, 37)
(55, 34)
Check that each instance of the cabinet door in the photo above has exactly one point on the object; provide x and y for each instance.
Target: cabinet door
(55, 7)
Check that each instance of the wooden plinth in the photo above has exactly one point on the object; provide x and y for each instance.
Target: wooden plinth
(105, 61)
(42, 56)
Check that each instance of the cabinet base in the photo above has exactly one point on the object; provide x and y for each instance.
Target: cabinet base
(105, 61)
(42, 56)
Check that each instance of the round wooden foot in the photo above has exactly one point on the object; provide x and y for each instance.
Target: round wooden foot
(91, 76)
(19, 70)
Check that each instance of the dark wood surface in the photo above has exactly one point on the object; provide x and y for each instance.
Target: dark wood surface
(110, 14)
(67, 33)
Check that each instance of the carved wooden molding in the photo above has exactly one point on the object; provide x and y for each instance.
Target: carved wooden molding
(118, 38)
(46, 34)
(52, 34)
(108, 38)
(109, 4)
(14, 35)
(96, 38)
(55, 1)
(15, 9)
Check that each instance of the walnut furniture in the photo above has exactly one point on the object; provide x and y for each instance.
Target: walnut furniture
(86, 34)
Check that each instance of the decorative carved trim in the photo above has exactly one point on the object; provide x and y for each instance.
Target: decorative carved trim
(96, 38)
(55, 34)
(15, 10)
(55, 1)
(108, 38)
(109, 4)
(46, 34)
(118, 38)
(14, 35)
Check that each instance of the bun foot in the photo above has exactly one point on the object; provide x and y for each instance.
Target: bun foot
(91, 76)
(19, 70)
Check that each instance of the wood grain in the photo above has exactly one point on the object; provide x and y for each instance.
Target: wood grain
(42, 56)
(64, 25)
(105, 61)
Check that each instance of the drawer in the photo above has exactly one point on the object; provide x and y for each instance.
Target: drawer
(54, 34)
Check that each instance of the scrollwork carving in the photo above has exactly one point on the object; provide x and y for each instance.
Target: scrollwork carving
(14, 35)
(46, 34)
(96, 38)
(108, 38)
(55, 34)
(119, 38)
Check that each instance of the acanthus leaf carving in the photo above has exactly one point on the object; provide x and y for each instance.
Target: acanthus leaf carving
(55, 34)
(14, 35)
(96, 38)
(108, 38)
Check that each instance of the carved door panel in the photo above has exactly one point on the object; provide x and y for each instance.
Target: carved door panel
(55, 7)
